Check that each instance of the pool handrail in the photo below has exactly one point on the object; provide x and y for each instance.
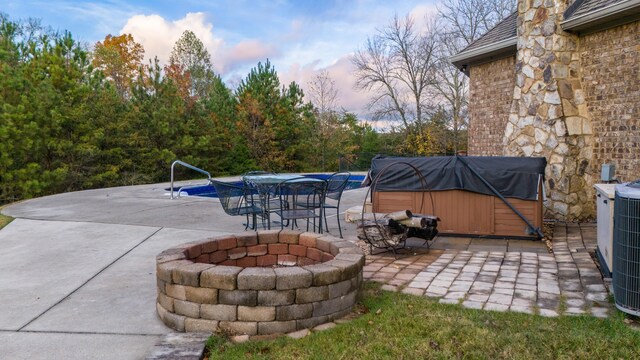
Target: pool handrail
(189, 166)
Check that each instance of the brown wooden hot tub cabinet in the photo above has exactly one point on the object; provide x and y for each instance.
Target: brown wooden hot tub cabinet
(462, 211)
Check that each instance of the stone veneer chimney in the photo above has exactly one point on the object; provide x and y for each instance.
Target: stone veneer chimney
(549, 114)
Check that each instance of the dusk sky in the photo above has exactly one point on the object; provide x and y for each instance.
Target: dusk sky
(300, 37)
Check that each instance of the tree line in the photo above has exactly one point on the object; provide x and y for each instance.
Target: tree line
(72, 119)
(75, 119)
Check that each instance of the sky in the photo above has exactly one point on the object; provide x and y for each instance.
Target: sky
(299, 37)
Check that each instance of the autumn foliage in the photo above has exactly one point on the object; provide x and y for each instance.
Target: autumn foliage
(120, 58)
(71, 119)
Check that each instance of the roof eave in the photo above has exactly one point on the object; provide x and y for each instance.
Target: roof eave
(612, 15)
(485, 53)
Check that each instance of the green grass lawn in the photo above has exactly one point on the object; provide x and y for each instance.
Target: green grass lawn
(4, 220)
(398, 326)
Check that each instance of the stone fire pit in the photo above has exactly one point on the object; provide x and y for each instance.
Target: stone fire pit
(258, 283)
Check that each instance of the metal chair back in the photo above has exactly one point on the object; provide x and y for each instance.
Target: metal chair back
(234, 201)
(336, 185)
(301, 199)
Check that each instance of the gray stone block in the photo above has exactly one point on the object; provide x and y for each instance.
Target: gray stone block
(165, 301)
(315, 293)
(276, 327)
(201, 295)
(219, 312)
(220, 277)
(179, 346)
(292, 278)
(352, 250)
(200, 325)
(324, 274)
(186, 308)
(164, 270)
(340, 289)
(311, 322)
(257, 278)
(276, 298)
(331, 306)
(324, 243)
(176, 291)
(161, 284)
(239, 327)
(288, 236)
(299, 334)
(355, 258)
(189, 274)
(171, 255)
(256, 313)
(359, 279)
(247, 239)
(268, 236)
(335, 247)
(238, 297)
(294, 312)
(172, 320)
(323, 327)
(348, 269)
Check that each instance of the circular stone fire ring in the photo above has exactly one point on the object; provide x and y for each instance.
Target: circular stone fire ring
(258, 283)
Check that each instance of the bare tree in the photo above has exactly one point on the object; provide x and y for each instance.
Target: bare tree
(323, 92)
(397, 64)
(451, 88)
(462, 21)
(470, 19)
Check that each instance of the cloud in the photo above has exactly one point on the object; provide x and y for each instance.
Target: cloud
(158, 35)
(342, 72)
(422, 11)
(423, 17)
(245, 52)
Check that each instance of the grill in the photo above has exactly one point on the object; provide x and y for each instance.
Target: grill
(626, 248)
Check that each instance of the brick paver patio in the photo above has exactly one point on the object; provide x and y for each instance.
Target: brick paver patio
(502, 275)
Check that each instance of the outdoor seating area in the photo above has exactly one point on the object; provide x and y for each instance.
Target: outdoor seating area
(387, 180)
(290, 197)
(129, 231)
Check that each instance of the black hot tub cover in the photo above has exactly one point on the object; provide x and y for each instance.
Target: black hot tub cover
(513, 177)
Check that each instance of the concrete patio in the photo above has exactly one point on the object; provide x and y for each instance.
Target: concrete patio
(79, 270)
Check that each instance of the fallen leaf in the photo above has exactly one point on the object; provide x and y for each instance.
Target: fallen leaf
(379, 311)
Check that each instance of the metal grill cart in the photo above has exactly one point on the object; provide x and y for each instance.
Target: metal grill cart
(390, 231)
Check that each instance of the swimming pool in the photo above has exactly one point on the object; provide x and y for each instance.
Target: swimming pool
(206, 190)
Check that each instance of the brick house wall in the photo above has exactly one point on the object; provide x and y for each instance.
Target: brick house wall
(610, 75)
(491, 92)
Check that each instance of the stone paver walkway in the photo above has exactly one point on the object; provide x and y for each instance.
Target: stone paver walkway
(565, 282)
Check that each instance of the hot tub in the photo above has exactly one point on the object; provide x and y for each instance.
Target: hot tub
(472, 195)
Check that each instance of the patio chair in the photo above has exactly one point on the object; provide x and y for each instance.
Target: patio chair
(335, 187)
(336, 184)
(262, 196)
(301, 199)
(234, 202)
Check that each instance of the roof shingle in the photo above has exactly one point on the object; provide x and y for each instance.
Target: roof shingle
(582, 7)
(505, 29)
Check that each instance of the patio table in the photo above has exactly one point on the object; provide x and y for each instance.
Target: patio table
(264, 185)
